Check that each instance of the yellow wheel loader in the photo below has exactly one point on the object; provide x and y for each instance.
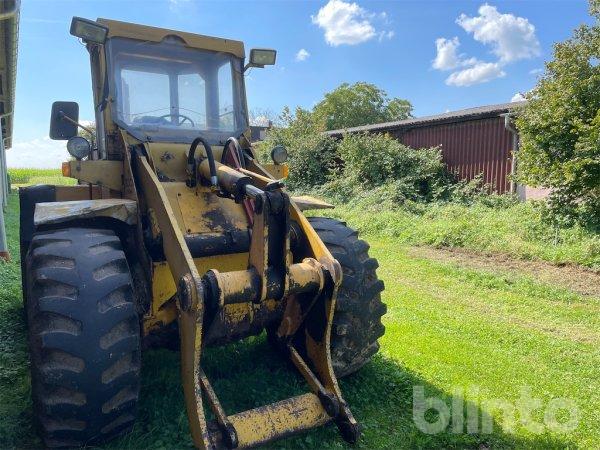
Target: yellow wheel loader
(175, 226)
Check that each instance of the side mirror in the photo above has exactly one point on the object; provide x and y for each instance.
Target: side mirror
(261, 57)
(63, 120)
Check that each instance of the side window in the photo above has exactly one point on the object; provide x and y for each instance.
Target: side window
(192, 99)
(226, 106)
(137, 105)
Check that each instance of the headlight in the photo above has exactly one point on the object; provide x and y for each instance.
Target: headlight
(279, 154)
(78, 147)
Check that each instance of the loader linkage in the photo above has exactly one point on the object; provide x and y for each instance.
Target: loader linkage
(308, 288)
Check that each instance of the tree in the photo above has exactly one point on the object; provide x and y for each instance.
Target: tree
(86, 134)
(560, 127)
(359, 104)
(398, 109)
(311, 152)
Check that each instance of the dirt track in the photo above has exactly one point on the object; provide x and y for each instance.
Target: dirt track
(576, 278)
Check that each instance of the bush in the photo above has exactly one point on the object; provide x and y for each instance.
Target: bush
(311, 153)
(380, 166)
(518, 230)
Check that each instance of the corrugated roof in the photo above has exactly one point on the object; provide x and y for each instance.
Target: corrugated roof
(9, 30)
(479, 112)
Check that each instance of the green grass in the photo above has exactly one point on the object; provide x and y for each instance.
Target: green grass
(20, 177)
(448, 329)
(514, 229)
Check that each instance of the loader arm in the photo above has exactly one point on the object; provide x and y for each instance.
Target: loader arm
(307, 288)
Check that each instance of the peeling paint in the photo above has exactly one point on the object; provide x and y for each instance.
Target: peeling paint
(57, 212)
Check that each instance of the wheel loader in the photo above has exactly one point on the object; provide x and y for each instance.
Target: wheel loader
(176, 233)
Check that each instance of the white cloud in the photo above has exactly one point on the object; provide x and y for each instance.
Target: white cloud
(383, 35)
(518, 97)
(302, 55)
(447, 56)
(348, 23)
(39, 153)
(512, 38)
(175, 5)
(536, 71)
(481, 72)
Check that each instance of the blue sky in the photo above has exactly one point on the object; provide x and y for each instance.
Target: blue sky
(440, 55)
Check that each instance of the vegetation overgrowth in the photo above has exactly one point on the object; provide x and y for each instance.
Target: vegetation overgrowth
(560, 128)
(25, 176)
(450, 330)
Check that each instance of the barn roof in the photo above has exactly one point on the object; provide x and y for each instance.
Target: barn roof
(479, 112)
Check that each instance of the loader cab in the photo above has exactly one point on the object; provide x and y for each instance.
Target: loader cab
(168, 92)
(165, 86)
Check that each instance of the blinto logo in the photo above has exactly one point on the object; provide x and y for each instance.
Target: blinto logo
(433, 415)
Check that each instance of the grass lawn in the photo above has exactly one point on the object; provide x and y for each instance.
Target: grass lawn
(450, 330)
(517, 230)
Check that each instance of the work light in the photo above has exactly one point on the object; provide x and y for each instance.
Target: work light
(262, 57)
(88, 30)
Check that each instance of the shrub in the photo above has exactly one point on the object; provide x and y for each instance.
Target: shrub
(385, 169)
(311, 153)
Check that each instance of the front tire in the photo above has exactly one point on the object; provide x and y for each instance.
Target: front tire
(84, 336)
(357, 320)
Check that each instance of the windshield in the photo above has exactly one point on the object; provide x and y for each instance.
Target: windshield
(169, 92)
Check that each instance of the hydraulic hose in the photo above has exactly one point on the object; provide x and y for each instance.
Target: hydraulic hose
(191, 162)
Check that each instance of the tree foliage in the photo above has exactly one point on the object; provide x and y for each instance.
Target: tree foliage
(382, 167)
(311, 153)
(560, 127)
(359, 104)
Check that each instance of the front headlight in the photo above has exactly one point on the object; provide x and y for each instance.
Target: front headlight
(78, 147)
(279, 154)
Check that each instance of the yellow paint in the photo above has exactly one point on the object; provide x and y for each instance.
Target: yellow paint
(163, 312)
(100, 172)
(277, 171)
(146, 33)
(261, 425)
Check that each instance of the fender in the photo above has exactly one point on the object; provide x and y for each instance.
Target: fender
(305, 202)
(58, 212)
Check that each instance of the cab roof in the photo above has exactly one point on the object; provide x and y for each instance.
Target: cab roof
(153, 34)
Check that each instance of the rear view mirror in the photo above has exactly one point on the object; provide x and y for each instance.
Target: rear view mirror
(63, 120)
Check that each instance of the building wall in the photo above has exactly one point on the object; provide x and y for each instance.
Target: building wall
(468, 148)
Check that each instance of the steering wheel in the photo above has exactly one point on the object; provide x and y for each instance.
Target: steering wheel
(179, 122)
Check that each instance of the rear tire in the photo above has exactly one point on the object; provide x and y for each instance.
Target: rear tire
(357, 320)
(84, 336)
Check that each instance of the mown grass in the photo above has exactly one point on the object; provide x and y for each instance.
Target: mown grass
(448, 329)
(516, 229)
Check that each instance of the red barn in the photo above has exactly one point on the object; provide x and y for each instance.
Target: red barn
(473, 141)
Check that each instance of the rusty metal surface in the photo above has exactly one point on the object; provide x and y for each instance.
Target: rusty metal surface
(468, 148)
(57, 212)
